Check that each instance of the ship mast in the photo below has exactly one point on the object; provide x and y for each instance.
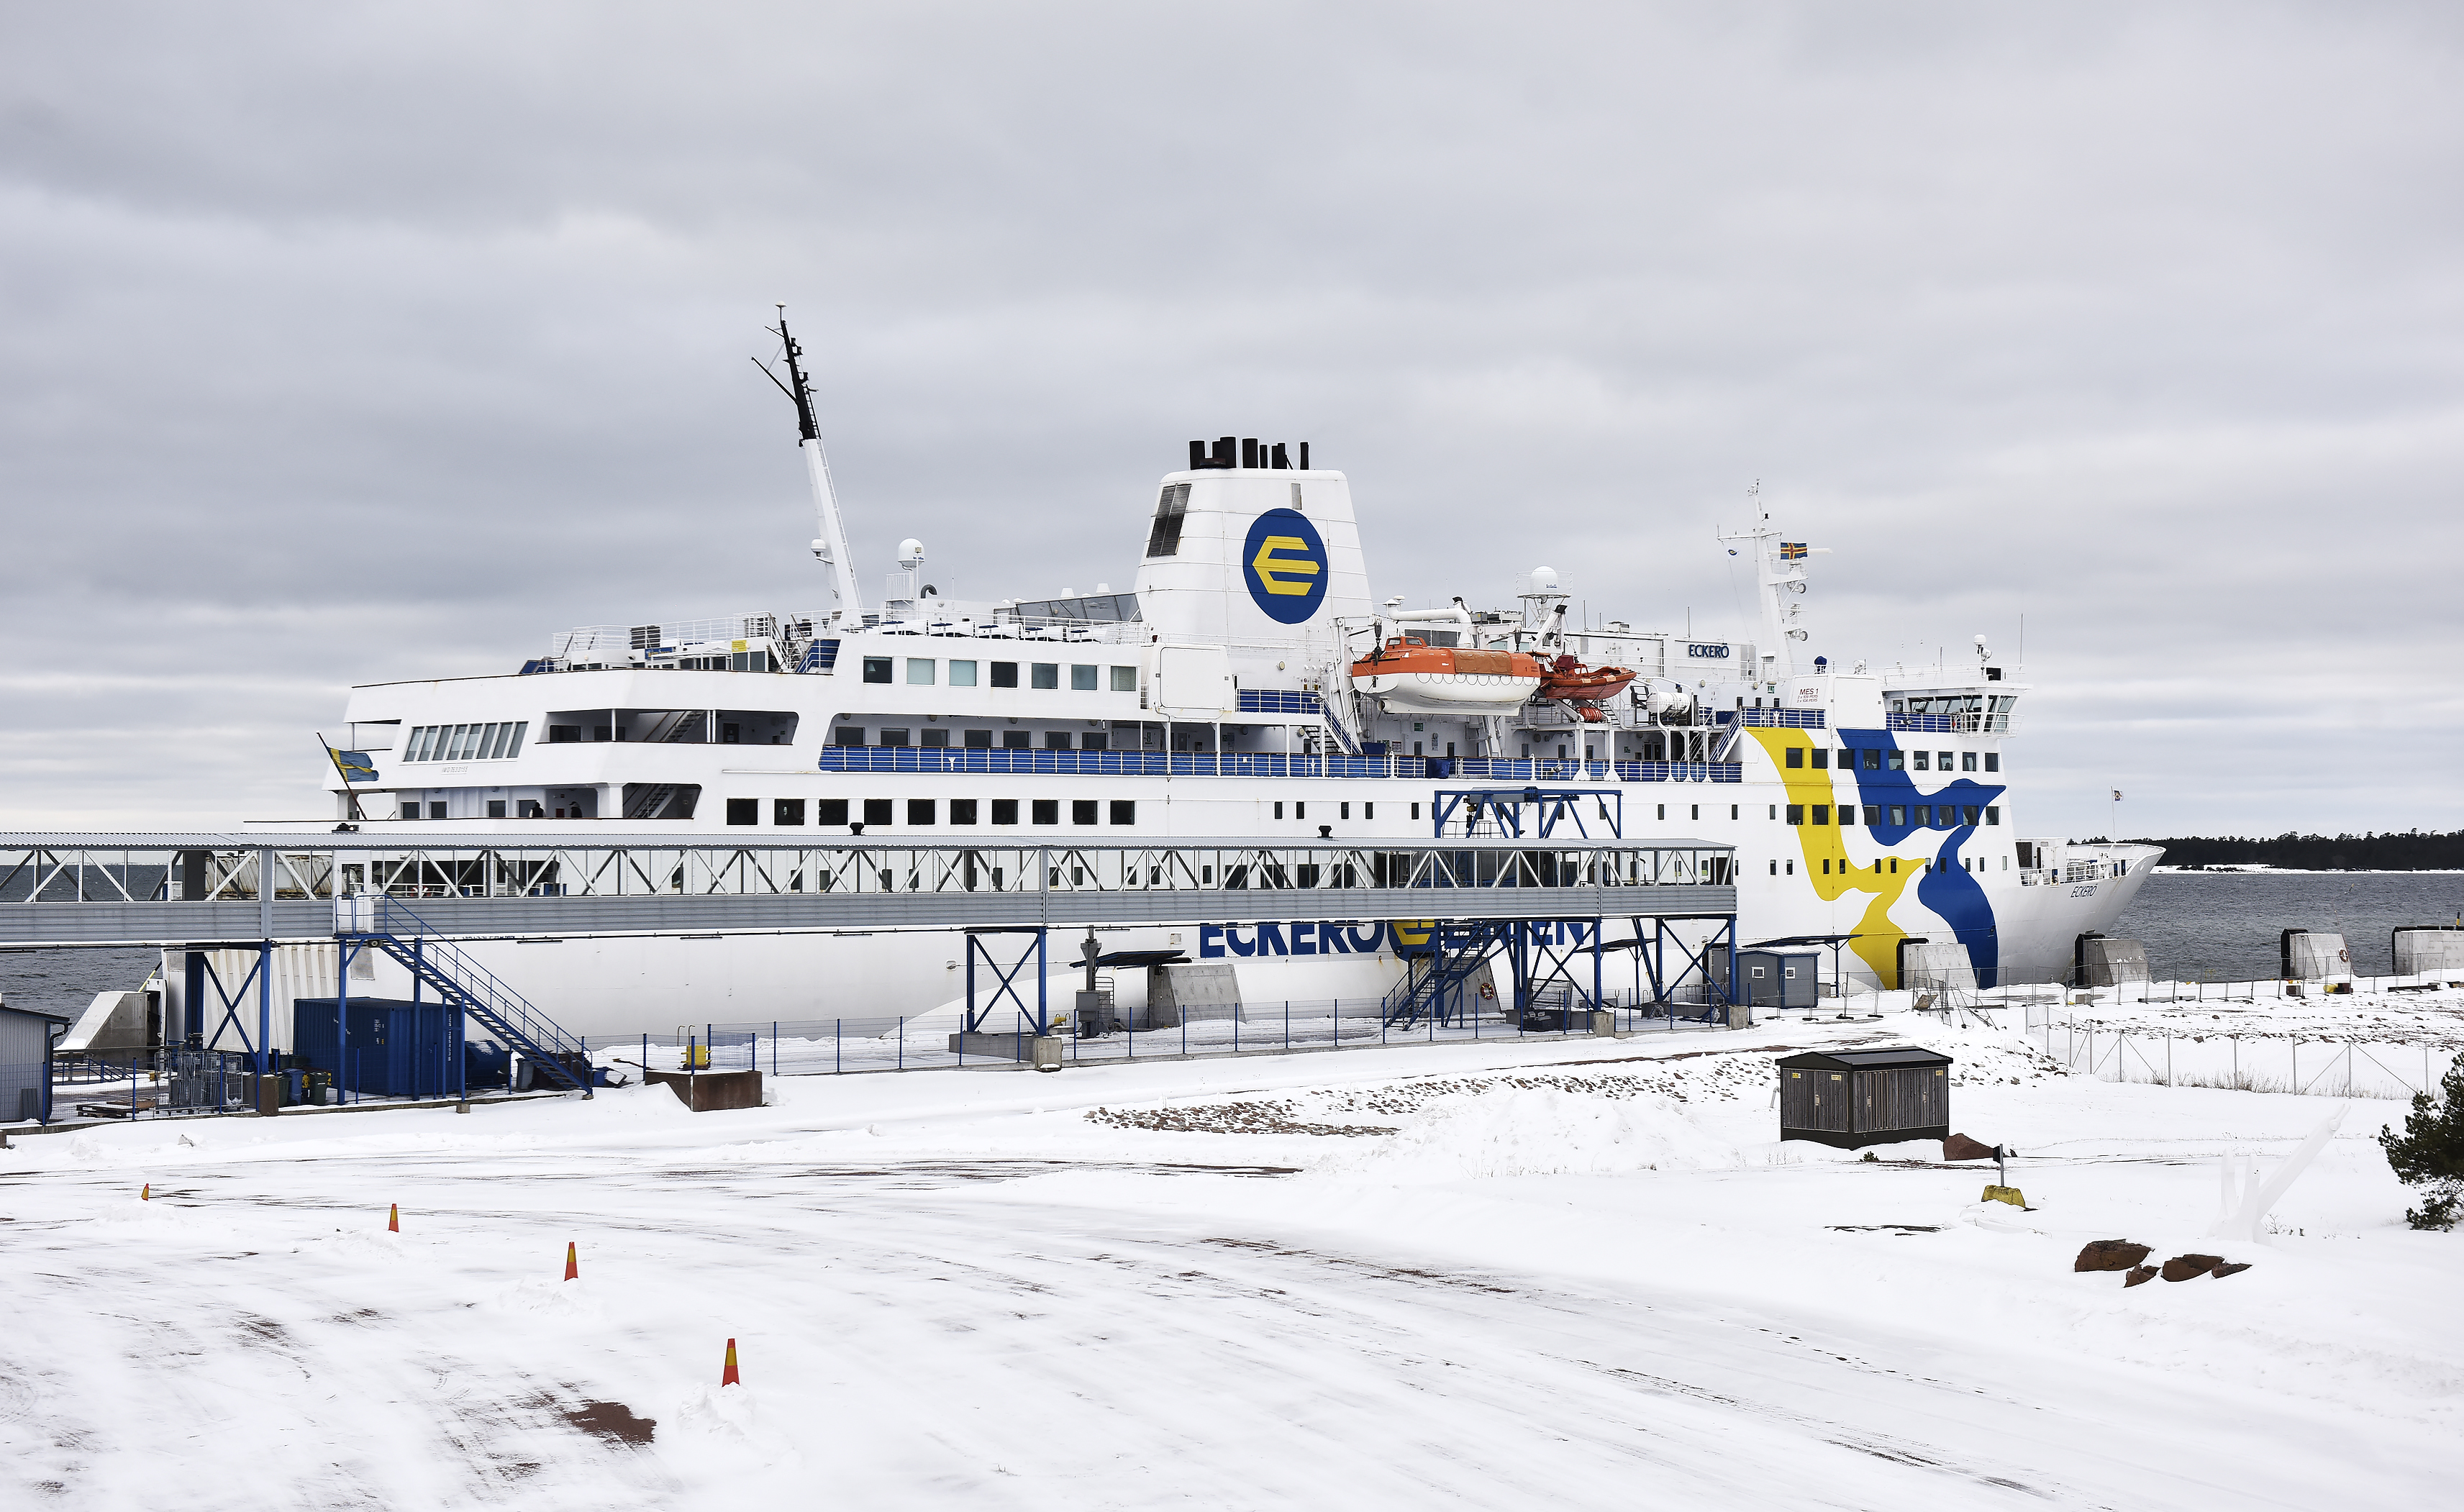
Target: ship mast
(1779, 578)
(832, 544)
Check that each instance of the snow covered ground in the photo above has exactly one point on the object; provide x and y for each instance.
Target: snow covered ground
(1579, 1273)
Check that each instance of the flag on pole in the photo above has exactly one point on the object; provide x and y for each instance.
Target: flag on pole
(356, 767)
(2117, 795)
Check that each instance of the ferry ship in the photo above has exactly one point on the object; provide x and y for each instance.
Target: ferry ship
(1248, 685)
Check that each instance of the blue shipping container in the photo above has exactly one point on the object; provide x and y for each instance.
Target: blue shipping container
(393, 1049)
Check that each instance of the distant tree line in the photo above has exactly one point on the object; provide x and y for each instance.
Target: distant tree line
(2412, 850)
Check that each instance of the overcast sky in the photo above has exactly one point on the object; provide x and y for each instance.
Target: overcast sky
(345, 343)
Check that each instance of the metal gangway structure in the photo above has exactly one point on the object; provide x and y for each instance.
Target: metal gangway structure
(411, 897)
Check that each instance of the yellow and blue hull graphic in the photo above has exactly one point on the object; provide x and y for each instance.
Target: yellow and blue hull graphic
(1890, 810)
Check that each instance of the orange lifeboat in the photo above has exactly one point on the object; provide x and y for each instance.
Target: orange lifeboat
(1408, 674)
(1569, 681)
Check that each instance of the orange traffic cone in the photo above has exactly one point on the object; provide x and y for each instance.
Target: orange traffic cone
(145, 1193)
(572, 1262)
(393, 1220)
(726, 1377)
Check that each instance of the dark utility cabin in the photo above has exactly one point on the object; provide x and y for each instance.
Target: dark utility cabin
(1852, 1098)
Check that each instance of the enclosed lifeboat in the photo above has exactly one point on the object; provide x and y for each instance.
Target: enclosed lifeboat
(1566, 680)
(1408, 674)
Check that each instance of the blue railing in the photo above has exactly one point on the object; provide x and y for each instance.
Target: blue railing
(1277, 701)
(1925, 723)
(1261, 763)
(819, 657)
(1774, 719)
(481, 989)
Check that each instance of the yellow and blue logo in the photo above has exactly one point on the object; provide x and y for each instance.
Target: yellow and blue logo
(1285, 563)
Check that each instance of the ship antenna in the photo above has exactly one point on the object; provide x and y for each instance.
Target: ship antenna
(830, 546)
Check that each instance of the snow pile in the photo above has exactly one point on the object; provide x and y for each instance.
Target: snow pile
(1536, 1132)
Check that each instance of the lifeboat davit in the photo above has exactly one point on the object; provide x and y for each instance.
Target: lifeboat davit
(1569, 681)
(1408, 674)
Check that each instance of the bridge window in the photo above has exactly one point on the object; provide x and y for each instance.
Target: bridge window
(1004, 811)
(962, 674)
(787, 811)
(1082, 679)
(894, 737)
(919, 810)
(962, 811)
(1125, 811)
(920, 670)
(744, 811)
(1015, 739)
(876, 811)
(1044, 674)
(1125, 679)
(979, 740)
(829, 811)
(1046, 810)
(876, 669)
(1005, 674)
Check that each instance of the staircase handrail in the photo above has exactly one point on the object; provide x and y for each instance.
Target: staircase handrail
(498, 998)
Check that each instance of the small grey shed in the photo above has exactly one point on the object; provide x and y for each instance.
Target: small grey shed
(26, 1040)
(1852, 1098)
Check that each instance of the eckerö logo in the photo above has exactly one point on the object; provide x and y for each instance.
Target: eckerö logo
(1344, 937)
(1285, 563)
(1704, 652)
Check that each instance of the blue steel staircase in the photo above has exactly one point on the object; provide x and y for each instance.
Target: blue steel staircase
(383, 923)
(1433, 982)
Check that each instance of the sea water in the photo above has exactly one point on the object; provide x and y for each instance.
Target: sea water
(2225, 926)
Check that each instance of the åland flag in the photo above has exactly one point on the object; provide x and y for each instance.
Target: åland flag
(354, 765)
(1791, 550)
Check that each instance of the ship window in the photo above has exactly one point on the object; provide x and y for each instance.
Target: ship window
(598, 733)
(1895, 865)
(1046, 810)
(1732, 811)
(1094, 740)
(847, 736)
(1873, 758)
(1004, 811)
(979, 740)
(1796, 813)
(1774, 866)
(1921, 756)
(495, 809)
(1821, 757)
(1967, 814)
(1942, 763)
(1125, 810)
(1792, 868)
(919, 810)
(1992, 814)
(1968, 760)
(829, 811)
(1992, 760)
(1663, 811)
(1056, 739)
(1823, 814)
(1367, 811)
(1125, 679)
(1082, 679)
(962, 674)
(557, 736)
(919, 670)
(410, 808)
(1300, 811)
(730, 734)
(938, 738)
(1083, 810)
(1170, 509)
(514, 747)
(1015, 739)
(1796, 755)
(962, 811)
(1044, 674)
(1005, 674)
(1899, 816)
(1416, 811)
(1900, 760)
(786, 811)
(744, 811)
(1924, 815)
(1873, 814)
(876, 669)
(1278, 811)
(1697, 811)
(894, 737)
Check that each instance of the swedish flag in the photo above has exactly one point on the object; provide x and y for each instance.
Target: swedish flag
(354, 765)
